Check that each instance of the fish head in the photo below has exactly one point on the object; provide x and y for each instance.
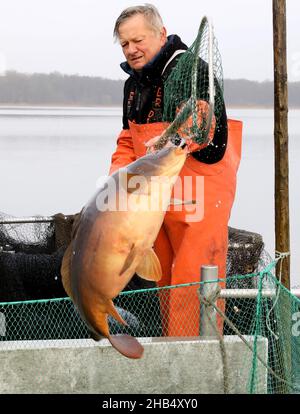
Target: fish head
(166, 162)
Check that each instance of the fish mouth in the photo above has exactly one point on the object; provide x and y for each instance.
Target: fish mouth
(178, 141)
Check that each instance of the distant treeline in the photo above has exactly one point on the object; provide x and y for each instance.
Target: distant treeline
(58, 89)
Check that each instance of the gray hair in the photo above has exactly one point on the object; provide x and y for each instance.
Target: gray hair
(150, 13)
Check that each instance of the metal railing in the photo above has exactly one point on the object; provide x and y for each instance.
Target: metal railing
(23, 220)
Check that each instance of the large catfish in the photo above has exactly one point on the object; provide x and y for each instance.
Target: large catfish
(113, 237)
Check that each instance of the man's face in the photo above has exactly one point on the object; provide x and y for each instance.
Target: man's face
(139, 42)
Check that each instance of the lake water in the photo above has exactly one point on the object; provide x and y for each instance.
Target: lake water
(51, 158)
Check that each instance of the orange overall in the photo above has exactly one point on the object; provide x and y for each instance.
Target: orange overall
(189, 239)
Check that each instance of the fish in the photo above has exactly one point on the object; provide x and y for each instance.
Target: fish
(113, 237)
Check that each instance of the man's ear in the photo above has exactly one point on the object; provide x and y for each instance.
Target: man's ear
(163, 35)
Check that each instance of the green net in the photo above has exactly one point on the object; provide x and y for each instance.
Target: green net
(193, 92)
(258, 334)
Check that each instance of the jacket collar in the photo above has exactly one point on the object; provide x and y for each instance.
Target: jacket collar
(155, 67)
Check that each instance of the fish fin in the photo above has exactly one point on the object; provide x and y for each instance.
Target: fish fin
(112, 311)
(150, 268)
(97, 319)
(65, 270)
(99, 324)
(127, 345)
(177, 202)
(130, 263)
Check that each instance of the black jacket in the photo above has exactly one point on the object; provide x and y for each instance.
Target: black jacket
(143, 98)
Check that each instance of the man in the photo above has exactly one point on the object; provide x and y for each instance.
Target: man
(184, 242)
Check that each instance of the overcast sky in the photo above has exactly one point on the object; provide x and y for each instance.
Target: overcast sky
(75, 36)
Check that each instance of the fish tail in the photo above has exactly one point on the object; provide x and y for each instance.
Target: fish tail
(125, 344)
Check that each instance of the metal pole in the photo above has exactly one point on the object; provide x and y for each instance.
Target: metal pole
(23, 220)
(282, 226)
(207, 288)
(252, 293)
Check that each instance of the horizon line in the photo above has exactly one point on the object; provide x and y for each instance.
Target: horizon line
(57, 72)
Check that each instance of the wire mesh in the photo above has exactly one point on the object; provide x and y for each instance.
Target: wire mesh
(256, 340)
(267, 328)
